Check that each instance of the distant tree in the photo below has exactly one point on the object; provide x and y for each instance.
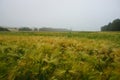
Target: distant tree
(3, 29)
(53, 29)
(35, 29)
(114, 26)
(25, 29)
(44, 29)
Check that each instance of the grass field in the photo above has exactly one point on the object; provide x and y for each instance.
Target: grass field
(59, 55)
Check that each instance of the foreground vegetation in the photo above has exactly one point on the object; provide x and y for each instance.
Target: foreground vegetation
(59, 56)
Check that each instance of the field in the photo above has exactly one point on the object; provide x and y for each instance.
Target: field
(59, 55)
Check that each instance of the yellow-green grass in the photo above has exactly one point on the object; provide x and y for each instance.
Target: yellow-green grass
(60, 56)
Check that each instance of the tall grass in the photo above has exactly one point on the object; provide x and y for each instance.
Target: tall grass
(31, 57)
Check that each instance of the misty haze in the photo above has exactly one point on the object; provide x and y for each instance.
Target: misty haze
(80, 15)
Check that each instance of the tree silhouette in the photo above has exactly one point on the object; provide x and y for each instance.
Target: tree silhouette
(25, 29)
(3, 29)
(114, 26)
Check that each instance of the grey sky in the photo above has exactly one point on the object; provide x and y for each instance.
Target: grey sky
(87, 15)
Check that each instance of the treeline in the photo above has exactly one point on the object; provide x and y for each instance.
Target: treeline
(42, 29)
(33, 29)
(3, 29)
(53, 29)
(113, 26)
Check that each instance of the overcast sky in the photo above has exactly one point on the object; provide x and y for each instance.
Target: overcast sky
(87, 15)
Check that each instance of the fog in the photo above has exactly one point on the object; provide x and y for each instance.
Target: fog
(82, 15)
